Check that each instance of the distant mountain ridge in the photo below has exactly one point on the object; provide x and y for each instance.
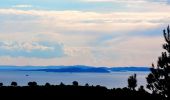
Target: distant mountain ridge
(74, 68)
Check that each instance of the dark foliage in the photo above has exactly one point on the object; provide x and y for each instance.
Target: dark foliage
(62, 84)
(87, 84)
(132, 82)
(32, 84)
(159, 78)
(55, 92)
(1, 84)
(47, 84)
(75, 83)
(14, 84)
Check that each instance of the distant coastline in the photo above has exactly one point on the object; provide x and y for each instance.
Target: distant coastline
(74, 69)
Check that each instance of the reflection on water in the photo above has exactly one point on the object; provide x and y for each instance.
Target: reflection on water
(110, 80)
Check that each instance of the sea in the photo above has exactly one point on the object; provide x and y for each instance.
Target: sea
(109, 80)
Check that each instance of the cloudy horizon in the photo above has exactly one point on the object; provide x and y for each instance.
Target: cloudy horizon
(82, 32)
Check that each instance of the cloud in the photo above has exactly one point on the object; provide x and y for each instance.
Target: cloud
(128, 1)
(22, 6)
(125, 1)
(35, 50)
(79, 37)
(129, 52)
(134, 5)
(77, 21)
(76, 28)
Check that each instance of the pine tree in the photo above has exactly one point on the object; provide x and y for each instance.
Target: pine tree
(159, 78)
(132, 82)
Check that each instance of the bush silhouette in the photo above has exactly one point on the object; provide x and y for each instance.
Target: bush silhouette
(159, 78)
(47, 84)
(14, 84)
(75, 83)
(86, 84)
(132, 82)
(73, 92)
(141, 89)
(62, 84)
(1, 84)
(31, 84)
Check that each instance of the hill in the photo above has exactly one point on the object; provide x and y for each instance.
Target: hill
(73, 69)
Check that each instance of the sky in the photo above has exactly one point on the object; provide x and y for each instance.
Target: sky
(82, 32)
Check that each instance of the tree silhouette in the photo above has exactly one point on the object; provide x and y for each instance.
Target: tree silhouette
(31, 84)
(141, 89)
(47, 84)
(75, 83)
(87, 85)
(62, 84)
(1, 84)
(159, 78)
(132, 82)
(14, 84)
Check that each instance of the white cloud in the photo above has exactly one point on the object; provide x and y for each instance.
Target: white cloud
(57, 21)
(125, 1)
(126, 53)
(136, 5)
(74, 28)
(31, 50)
(22, 6)
(24, 46)
(81, 34)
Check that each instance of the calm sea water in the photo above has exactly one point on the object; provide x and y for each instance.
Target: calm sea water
(110, 80)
